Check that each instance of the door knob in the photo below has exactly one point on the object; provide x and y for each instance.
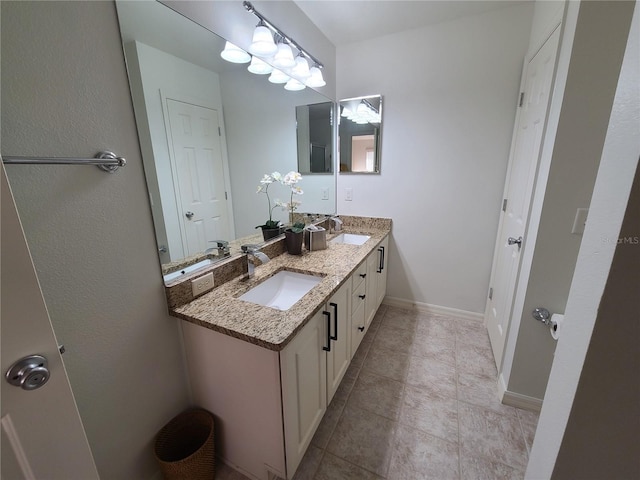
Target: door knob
(189, 215)
(514, 241)
(29, 372)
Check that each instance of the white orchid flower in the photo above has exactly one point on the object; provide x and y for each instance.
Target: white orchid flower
(296, 190)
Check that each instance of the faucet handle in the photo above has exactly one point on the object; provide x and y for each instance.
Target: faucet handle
(248, 248)
(220, 243)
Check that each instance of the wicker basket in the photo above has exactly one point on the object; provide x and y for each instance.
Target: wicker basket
(185, 448)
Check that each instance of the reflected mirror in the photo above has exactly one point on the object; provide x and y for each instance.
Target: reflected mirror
(315, 138)
(359, 133)
(209, 130)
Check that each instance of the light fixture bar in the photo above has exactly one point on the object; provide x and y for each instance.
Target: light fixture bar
(284, 36)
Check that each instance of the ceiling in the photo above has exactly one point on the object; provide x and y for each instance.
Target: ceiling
(349, 21)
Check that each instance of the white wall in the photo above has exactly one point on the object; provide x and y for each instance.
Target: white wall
(567, 173)
(65, 93)
(589, 421)
(450, 93)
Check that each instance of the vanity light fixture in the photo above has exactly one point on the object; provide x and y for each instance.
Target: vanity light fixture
(363, 113)
(234, 54)
(294, 71)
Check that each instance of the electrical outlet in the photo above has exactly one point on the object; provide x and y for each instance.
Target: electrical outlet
(348, 194)
(325, 194)
(202, 284)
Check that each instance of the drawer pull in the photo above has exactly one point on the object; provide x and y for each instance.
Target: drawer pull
(361, 329)
(363, 275)
(362, 296)
(335, 321)
(328, 347)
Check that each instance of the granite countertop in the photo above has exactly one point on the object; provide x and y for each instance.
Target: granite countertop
(222, 311)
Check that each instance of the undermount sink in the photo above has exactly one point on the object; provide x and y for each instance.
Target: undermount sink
(350, 239)
(282, 290)
(191, 268)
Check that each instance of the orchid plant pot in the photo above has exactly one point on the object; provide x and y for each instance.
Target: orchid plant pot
(269, 233)
(293, 241)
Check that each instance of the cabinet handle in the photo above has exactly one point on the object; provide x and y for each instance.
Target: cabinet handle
(335, 321)
(361, 329)
(363, 275)
(328, 347)
(381, 257)
(362, 296)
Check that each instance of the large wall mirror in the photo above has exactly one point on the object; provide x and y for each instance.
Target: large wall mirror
(209, 130)
(359, 134)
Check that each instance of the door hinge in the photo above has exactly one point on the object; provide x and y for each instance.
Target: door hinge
(491, 293)
(219, 132)
(225, 196)
(504, 205)
(521, 101)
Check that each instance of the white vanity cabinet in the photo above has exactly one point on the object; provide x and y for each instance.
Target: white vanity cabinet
(268, 404)
(312, 366)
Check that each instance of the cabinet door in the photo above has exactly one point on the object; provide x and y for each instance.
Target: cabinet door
(339, 356)
(383, 257)
(370, 304)
(303, 366)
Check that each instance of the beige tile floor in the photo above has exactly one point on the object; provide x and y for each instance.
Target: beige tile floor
(419, 401)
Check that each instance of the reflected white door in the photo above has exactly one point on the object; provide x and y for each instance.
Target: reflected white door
(199, 169)
(42, 435)
(518, 192)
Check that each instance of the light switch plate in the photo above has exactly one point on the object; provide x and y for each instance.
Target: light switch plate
(580, 221)
(348, 194)
(325, 194)
(202, 284)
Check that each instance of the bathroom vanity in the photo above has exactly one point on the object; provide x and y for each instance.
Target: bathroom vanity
(268, 374)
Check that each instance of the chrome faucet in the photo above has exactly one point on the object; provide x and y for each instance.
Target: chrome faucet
(253, 252)
(222, 248)
(336, 223)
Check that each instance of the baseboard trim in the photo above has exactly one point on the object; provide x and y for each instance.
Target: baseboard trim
(433, 309)
(517, 400)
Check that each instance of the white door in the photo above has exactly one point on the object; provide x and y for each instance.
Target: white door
(518, 192)
(199, 169)
(42, 435)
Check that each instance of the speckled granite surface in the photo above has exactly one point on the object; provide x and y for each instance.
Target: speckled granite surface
(221, 310)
